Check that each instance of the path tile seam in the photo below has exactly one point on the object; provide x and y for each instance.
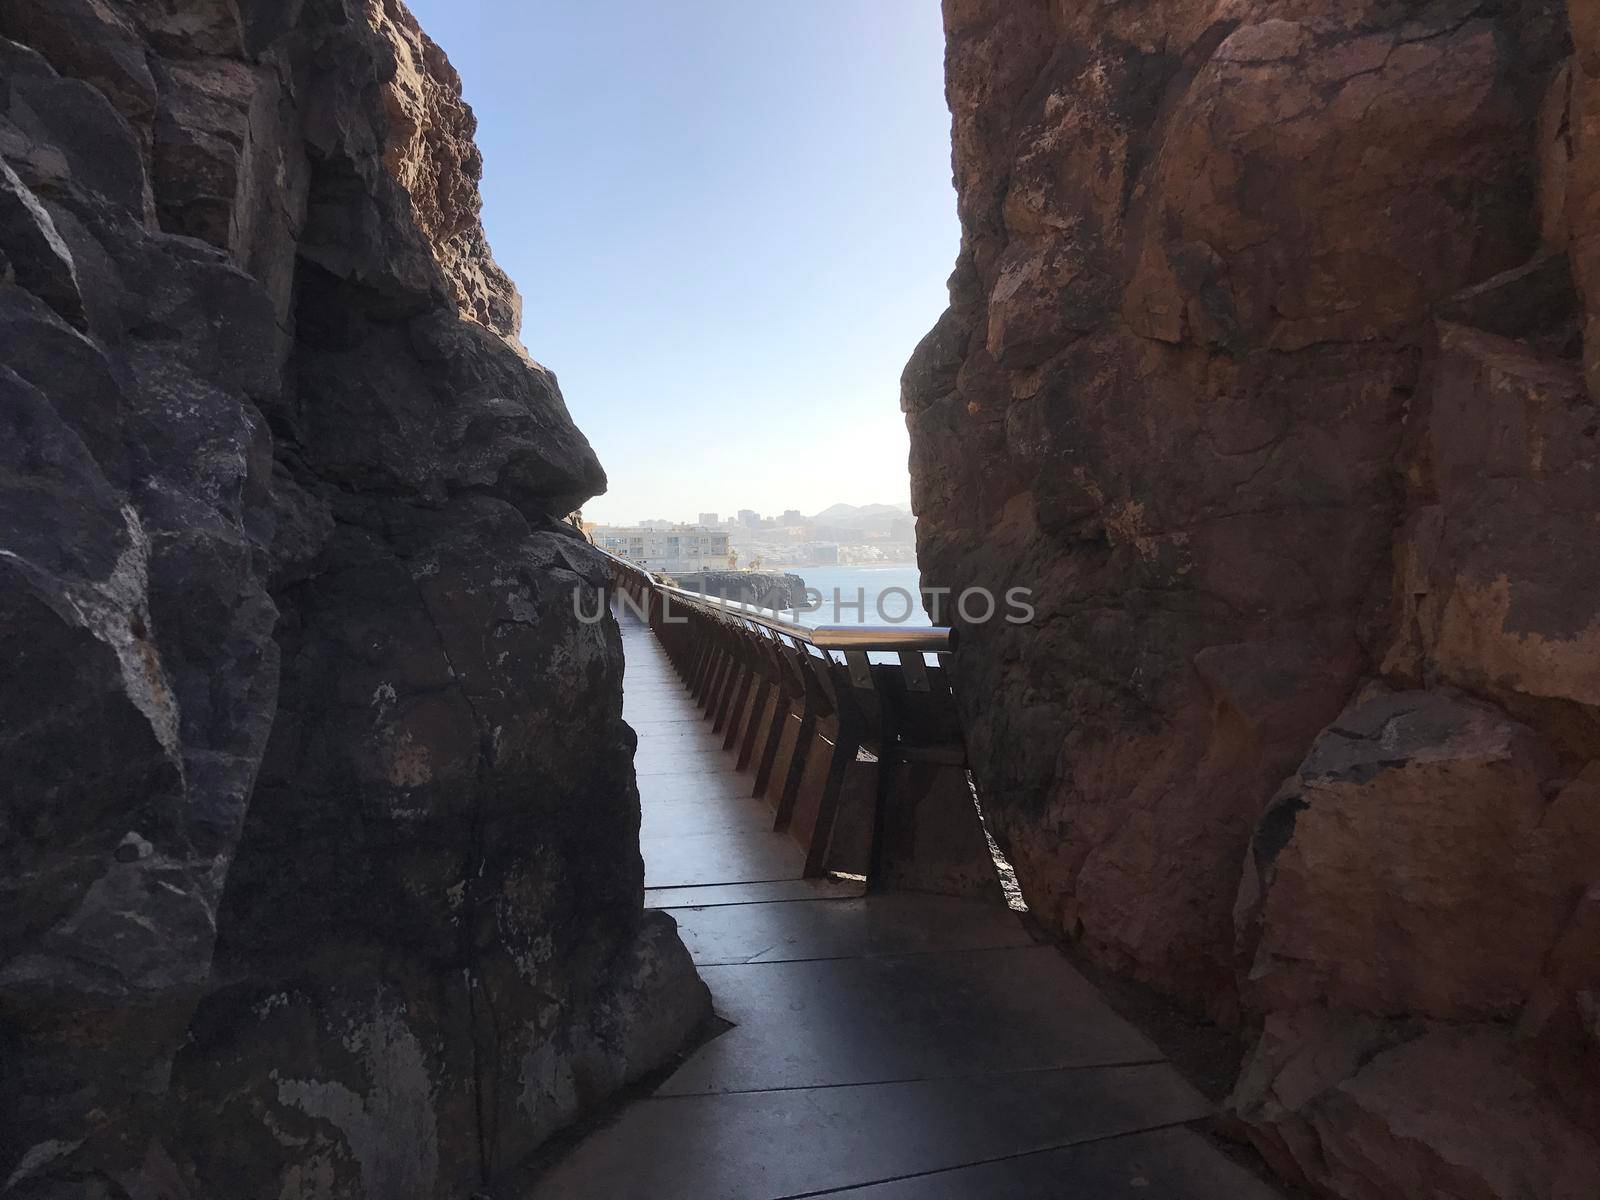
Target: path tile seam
(984, 1162)
(953, 1077)
(785, 962)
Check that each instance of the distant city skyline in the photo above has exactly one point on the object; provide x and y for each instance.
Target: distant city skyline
(838, 535)
(732, 514)
(731, 225)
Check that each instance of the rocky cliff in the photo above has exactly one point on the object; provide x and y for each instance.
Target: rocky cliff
(1270, 367)
(767, 589)
(318, 831)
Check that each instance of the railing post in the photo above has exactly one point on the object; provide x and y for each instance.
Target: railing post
(757, 716)
(815, 703)
(733, 642)
(770, 736)
(712, 686)
(711, 668)
(928, 836)
(732, 711)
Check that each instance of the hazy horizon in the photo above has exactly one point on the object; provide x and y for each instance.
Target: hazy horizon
(731, 225)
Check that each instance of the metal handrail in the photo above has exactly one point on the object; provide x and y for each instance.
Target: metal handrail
(930, 639)
(936, 639)
(739, 609)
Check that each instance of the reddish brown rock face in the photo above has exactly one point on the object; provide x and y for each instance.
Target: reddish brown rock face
(1574, 188)
(1264, 370)
(1423, 860)
(1201, 245)
(1356, 1107)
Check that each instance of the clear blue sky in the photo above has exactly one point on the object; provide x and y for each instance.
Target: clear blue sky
(731, 221)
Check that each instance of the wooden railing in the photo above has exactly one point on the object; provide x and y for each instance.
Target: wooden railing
(862, 762)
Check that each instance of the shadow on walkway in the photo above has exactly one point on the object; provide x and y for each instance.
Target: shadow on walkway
(897, 1047)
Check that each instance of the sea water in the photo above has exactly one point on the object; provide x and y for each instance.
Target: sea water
(887, 595)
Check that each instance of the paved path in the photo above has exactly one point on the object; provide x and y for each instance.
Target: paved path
(896, 1047)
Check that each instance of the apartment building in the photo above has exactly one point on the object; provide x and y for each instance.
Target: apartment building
(678, 550)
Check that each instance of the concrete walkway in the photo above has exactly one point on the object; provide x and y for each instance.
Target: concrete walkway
(896, 1047)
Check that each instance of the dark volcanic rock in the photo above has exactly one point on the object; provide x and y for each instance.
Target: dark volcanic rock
(767, 589)
(1264, 369)
(318, 833)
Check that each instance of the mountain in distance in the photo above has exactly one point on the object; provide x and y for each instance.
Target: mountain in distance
(855, 516)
